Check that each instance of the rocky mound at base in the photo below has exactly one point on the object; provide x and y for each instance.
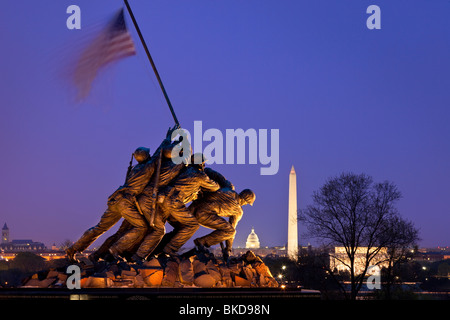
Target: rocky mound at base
(200, 270)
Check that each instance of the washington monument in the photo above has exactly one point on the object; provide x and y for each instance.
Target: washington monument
(292, 244)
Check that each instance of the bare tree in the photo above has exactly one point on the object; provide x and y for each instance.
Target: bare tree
(65, 244)
(353, 212)
(402, 236)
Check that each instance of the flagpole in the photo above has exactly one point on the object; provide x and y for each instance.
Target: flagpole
(151, 62)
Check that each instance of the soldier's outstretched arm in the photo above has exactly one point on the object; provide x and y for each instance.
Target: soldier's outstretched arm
(219, 178)
(209, 185)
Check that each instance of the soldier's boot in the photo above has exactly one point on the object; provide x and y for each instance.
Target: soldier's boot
(109, 258)
(200, 246)
(226, 256)
(94, 257)
(113, 257)
(137, 259)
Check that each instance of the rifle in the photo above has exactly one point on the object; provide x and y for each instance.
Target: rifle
(130, 167)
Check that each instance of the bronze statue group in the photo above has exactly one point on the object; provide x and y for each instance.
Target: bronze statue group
(158, 190)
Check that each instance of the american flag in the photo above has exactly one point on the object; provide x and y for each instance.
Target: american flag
(110, 45)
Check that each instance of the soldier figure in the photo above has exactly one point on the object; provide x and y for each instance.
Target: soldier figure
(120, 203)
(211, 208)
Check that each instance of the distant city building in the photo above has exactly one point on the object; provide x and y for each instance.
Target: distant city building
(252, 241)
(339, 259)
(275, 252)
(5, 234)
(18, 245)
(23, 245)
(432, 254)
(10, 248)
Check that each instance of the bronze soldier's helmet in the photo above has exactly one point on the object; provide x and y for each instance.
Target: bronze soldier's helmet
(248, 195)
(142, 154)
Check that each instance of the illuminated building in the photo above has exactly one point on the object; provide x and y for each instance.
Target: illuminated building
(341, 262)
(252, 241)
(5, 234)
(18, 245)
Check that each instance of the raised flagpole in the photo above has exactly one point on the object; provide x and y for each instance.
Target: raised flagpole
(151, 62)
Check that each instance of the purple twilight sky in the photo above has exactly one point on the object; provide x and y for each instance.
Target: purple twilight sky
(344, 98)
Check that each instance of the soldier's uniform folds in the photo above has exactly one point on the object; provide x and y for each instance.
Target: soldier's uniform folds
(145, 199)
(122, 203)
(211, 211)
(172, 208)
(168, 172)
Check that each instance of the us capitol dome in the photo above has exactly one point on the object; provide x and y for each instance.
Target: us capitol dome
(252, 240)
